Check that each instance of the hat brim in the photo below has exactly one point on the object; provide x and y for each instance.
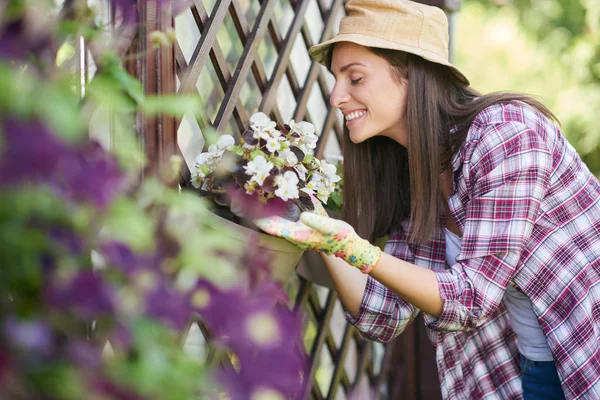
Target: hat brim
(321, 52)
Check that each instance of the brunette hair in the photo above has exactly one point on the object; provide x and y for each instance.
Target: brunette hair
(385, 182)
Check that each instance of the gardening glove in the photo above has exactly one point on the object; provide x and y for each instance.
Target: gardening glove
(324, 234)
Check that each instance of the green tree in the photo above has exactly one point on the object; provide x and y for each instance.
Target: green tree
(550, 49)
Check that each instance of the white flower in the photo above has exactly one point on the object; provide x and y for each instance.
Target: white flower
(303, 128)
(324, 192)
(261, 120)
(225, 141)
(330, 171)
(308, 143)
(259, 168)
(288, 157)
(316, 181)
(257, 165)
(273, 144)
(287, 186)
(262, 125)
(201, 159)
(196, 179)
(301, 170)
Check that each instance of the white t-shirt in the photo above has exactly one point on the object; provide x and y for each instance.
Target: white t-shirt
(530, 338)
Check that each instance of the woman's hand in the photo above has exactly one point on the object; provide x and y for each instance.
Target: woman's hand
(324, 234)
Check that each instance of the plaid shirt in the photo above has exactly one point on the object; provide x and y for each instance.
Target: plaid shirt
(529, 211)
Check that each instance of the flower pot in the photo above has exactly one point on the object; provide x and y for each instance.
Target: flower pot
(312, 268)
(284, 255)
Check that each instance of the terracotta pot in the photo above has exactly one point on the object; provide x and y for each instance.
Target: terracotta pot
(284, 255)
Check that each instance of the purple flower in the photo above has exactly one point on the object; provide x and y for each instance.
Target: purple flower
(127, 10)
(32, 337)
(86, 294)
(24, 37)
(31, 152)
(120, 255)
(89, 174)
(168, 306)
(265, 338)
(221, 309)
(250, 206)
(84, 354)
(267, 343)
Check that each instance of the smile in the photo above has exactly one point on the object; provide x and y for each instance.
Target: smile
(354, 115)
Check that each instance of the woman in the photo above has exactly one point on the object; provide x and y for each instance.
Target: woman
(487, 184)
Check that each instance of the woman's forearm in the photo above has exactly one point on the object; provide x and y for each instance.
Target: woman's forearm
(416, 285)
(349, 283)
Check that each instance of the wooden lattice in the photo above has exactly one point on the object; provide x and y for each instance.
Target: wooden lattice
(242, 56)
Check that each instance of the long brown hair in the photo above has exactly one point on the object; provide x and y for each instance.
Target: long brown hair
(385, 182)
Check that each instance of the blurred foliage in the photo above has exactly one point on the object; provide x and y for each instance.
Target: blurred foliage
(94, 258)
(549, 49)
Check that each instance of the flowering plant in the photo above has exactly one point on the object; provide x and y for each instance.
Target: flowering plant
(272, 161)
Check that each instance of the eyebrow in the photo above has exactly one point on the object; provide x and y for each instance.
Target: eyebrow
(345, 67)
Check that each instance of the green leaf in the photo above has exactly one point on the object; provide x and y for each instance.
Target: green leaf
(257, 153)
(59, 106)
(128, 83)
(107, 91)
(127, 222)
(237, 150)
(174, 105)
(278, 162)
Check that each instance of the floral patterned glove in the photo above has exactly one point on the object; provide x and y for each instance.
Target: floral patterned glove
(324, 234)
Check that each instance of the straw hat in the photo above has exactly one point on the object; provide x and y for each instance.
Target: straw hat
(393, 24)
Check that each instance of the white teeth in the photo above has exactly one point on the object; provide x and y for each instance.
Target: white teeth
(353, 115)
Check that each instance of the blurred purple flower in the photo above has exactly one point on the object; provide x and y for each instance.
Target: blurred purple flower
(265, 337)
(32, 337)
(120, 337)
(23, 38)
(67, 239)
(167, 305)
(33, 154)
(221, 309)
(85, 355)
(89, 174)
(122, 257)
(250, 207)
(127, 10)
(267, 343)
(86, 294)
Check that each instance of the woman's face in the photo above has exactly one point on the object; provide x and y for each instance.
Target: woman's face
(368, 93)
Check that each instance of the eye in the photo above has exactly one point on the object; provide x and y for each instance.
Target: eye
(355, 81)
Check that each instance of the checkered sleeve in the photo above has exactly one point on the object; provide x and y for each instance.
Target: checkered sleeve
(507, 175)
(383, 314)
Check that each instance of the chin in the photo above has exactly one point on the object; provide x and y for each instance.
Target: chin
(358, 137)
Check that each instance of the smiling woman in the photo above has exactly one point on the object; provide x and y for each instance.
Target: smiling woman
(481, 196)
(367, 115)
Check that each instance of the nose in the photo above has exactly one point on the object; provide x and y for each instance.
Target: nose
(339, 95)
